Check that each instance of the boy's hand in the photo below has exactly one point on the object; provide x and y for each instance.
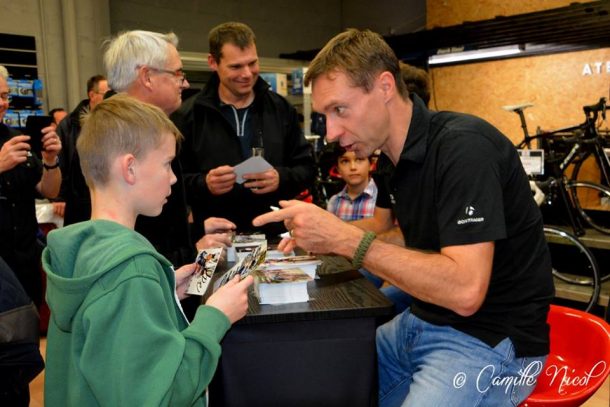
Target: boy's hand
(59, 208)
(232, 298)
(218, 225)
(183, 276)
(214, 240)
(218, 233)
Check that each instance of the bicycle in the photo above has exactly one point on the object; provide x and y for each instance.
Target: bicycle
(581, 200)
(571, 261)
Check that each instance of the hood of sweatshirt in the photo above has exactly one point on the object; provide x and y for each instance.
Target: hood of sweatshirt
(78, 255)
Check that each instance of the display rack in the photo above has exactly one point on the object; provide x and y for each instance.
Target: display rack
(18, 55)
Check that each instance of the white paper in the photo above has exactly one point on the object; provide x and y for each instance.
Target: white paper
(250, 166)
(45, 214)
(533, 161)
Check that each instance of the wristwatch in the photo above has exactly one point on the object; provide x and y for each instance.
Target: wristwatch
(51, 167)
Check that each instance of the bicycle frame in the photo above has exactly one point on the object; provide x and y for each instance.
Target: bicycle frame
(581, 136)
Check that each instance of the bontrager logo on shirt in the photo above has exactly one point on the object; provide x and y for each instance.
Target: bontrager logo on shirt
(469, 212)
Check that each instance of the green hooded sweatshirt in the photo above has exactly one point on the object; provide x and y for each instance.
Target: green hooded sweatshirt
(117, 336)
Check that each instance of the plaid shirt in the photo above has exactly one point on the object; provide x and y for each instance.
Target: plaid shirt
(347, 209)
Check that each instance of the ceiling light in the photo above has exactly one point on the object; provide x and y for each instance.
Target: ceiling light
(486, 53)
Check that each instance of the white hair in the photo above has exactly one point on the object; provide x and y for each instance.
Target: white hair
(3, 72)
(129, 50)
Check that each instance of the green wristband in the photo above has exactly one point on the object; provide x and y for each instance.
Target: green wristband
(363, 247)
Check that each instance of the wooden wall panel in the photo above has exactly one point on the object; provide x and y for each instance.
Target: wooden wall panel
(443, 13)
(555, 84)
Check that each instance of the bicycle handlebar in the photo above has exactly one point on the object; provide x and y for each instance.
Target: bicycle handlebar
(590, 111)
(600, 106)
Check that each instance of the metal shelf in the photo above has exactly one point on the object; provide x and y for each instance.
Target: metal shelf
(580, 293)
(592, 238)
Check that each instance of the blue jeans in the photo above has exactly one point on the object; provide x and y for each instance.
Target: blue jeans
(399, 298)
(421, 364)
(377, 281)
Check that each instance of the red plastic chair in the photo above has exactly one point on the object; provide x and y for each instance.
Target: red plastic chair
(579, 361)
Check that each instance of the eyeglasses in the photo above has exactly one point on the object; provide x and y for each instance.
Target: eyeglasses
(178, 73)
(6, 97)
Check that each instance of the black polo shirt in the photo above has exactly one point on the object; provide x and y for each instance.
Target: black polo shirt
(459, 181)
(18, 224)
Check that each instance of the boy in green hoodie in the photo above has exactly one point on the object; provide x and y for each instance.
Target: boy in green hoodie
(117, 335)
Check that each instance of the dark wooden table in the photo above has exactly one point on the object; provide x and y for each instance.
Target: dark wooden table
(316, 353)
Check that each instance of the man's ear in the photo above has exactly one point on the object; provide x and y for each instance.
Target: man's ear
(128, 165)
(387, 84)
(212, 62)
(144, 77)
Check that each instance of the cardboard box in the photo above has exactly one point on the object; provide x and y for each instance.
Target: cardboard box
(277, 81)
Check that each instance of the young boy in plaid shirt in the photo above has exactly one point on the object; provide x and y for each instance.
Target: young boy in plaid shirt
(357, 199)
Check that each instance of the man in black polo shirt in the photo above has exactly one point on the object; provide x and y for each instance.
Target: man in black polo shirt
(475, 258)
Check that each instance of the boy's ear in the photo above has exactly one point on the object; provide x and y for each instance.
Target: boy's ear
(128, 168)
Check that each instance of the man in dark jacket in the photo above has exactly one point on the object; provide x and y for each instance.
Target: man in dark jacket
(74, 190)
(20, 358)
(24, 176)
(234, 114)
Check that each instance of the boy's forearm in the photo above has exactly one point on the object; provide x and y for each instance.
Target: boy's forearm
(380, 222)
(394, 236)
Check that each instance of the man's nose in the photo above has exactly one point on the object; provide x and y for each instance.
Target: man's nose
(246, 71)
(333, 132)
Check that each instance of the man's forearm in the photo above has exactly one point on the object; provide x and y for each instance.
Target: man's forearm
(50, 183)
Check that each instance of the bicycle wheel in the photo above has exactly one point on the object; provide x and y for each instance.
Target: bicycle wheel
(590, 167)
(592, 202)
(573, 263)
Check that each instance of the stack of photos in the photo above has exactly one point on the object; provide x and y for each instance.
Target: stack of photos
(245, 265)
(308, 263)
(281, 286)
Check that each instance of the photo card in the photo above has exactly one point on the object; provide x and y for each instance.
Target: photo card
(206, 262)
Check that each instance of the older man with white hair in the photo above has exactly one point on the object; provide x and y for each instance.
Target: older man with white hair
(147, 66)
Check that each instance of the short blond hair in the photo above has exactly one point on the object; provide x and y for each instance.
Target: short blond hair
(119, 125)
(361, 55)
